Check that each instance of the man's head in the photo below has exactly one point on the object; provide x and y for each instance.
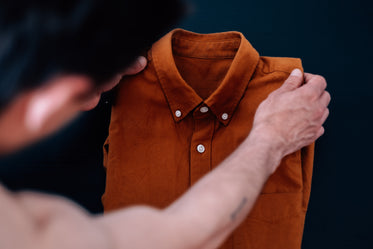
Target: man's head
(56, 56)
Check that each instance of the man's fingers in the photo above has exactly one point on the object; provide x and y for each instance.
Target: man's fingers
(320, 132)
(294, 81)
(314, 83)
(308, 76)
(137, 66)
(325, 116)
(325, 98)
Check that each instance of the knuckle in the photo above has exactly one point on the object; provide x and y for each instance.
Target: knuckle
(321, 132)
(327, 112)
(315, 134)
(309, 94)
(318, 113)
(325, 115)
(321, 109)
(329, 97)
(321, 80)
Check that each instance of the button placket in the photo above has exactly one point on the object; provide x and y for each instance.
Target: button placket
(200, 146)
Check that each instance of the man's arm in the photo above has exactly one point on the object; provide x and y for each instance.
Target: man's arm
(287, 120)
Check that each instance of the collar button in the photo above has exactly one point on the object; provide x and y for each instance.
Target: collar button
(178, 113)
(224, 116)
(204, 109)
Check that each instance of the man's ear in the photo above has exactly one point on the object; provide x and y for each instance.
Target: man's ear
(38, 113)
(51, 106)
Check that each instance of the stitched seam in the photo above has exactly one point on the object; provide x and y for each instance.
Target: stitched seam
(160, 78)
(274, 71)
(275, 220)
(206, 58)
(238, 99)
(212, 40)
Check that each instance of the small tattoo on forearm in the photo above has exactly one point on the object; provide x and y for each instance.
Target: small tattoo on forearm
(238, 209)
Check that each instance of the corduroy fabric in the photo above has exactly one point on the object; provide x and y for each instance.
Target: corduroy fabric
(151, 154)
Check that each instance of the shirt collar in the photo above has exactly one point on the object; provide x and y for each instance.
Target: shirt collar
(182, 99)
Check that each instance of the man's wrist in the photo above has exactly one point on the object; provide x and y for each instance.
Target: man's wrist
(266, 146)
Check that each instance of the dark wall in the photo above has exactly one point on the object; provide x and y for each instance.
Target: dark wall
(333, 38)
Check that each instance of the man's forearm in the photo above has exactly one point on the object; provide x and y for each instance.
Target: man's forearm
(222, 199)
(211, 209)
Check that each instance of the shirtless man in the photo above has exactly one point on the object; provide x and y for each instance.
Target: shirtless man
(290, 118)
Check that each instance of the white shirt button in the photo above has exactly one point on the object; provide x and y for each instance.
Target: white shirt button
(204, 109)
(200, 148)
(224, 116)
(178, 113)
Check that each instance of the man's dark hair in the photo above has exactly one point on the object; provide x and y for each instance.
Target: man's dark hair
(99, 38)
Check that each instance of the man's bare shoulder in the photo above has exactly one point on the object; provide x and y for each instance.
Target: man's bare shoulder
(44, 221)
(15, 222)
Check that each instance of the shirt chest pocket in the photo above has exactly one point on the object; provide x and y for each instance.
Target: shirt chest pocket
(282, 195)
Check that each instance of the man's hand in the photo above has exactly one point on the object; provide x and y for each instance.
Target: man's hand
(292, 116)
(136, 67)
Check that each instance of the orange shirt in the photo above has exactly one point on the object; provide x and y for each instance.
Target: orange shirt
(187, 111)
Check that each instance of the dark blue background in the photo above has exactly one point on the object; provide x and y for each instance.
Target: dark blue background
(333, 38)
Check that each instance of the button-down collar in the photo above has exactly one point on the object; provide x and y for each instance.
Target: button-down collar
(182, 99)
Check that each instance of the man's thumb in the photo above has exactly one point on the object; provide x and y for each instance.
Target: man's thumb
(294, 81)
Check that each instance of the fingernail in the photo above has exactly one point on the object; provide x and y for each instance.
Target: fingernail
(297, 73)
